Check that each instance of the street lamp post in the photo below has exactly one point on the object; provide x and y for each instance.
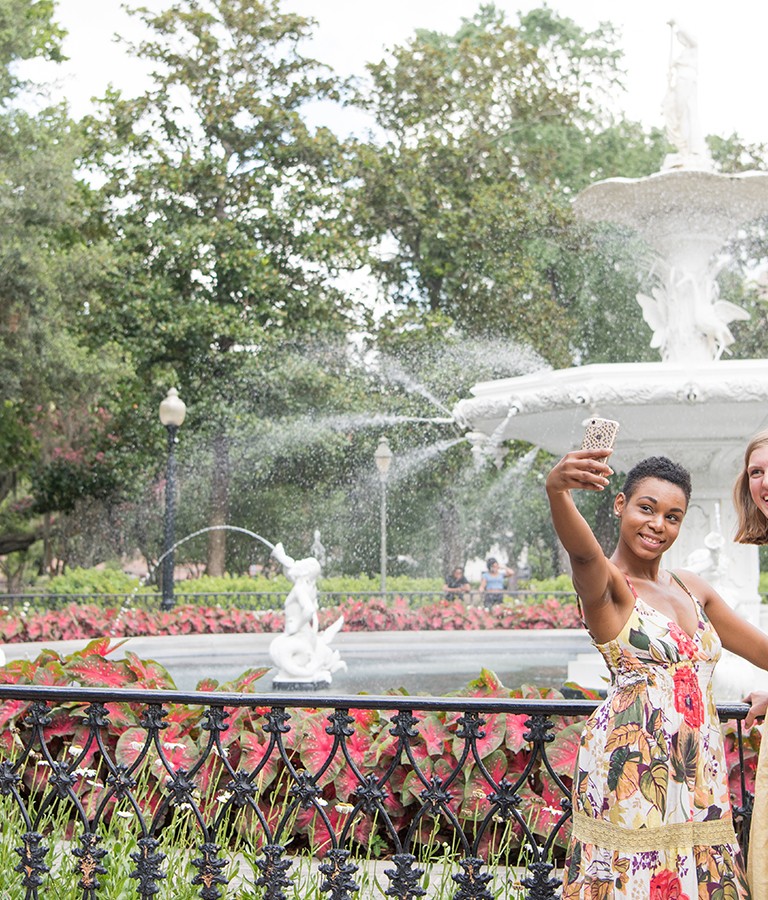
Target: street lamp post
(383, 458)
(172, 413)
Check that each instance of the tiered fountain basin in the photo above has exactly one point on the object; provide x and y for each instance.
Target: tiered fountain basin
(700, 415)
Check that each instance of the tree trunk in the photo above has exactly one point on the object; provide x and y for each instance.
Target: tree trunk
(219, 512)
(47, 564)
(453, 550)
(12, 542)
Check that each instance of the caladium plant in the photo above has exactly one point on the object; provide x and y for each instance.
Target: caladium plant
(343, 760)
(81, 622)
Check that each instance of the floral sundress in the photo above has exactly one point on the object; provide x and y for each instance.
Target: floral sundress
(651, 810)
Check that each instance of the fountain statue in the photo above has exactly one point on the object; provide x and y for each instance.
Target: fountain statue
(693, 405)
(317, 549)
(302, 653)
(681, 105)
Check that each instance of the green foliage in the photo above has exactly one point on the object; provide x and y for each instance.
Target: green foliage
(52, 385)
(339, 584)
(224, 210)
(220, 195)
(64, 481)
(557, 584)
(92, 581)
(209, 258)
(733, 155)
(487, 133)
(26, 32)
(396, 583)
(114, 581)
(17, 447)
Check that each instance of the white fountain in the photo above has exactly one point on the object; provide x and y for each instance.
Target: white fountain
(692, 406)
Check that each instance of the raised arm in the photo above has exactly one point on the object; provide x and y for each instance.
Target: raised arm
(580, 470)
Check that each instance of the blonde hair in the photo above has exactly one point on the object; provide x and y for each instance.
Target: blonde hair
(752, 525)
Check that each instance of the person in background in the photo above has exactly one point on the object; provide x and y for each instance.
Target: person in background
(750, 497)
(456, 585)
(651, 800)
(493, 582)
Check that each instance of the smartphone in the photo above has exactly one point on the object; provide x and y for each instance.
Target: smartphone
(600, 434)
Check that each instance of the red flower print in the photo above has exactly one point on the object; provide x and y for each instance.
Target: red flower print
(683, 641)
(688, 700)
(665, 885)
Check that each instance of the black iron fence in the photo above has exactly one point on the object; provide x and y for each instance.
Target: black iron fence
(141, 793)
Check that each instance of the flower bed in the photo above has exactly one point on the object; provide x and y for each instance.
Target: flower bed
(76, 622)
(145, 753)
(309, 742)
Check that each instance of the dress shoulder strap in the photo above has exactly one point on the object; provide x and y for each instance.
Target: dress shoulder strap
(682, 585)
(631, 586)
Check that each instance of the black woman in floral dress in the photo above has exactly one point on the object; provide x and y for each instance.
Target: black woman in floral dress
(651, 808)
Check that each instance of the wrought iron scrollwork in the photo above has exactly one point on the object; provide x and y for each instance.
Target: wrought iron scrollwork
(32, 866)
(209, 871)
(89, 858)
(473, 882)
(274, 872)
(148, 871)
(219, 784)
(338, 872)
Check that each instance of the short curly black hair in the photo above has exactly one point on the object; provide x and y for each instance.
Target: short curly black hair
(658, 467)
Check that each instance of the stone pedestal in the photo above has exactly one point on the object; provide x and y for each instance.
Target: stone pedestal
(279, 684)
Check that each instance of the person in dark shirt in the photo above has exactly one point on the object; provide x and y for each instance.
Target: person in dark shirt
(456, 584)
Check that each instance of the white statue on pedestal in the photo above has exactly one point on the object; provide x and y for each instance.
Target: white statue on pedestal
(302, 653)
(681, 106)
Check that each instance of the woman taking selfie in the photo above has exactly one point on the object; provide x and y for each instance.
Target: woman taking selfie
(651, 810)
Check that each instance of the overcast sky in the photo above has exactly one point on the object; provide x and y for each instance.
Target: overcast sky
(731, 39)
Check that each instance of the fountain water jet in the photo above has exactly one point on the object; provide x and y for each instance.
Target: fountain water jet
(200, 531)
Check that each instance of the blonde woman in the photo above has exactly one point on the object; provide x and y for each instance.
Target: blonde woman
(750, 497)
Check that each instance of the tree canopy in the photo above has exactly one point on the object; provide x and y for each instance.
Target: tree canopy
(203, 235)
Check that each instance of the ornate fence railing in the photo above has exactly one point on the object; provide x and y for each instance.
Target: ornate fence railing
(141, 793)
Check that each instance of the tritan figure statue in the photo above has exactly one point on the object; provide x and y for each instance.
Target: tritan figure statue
(302, 653)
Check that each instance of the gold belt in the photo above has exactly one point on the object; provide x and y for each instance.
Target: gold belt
(663, 837)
